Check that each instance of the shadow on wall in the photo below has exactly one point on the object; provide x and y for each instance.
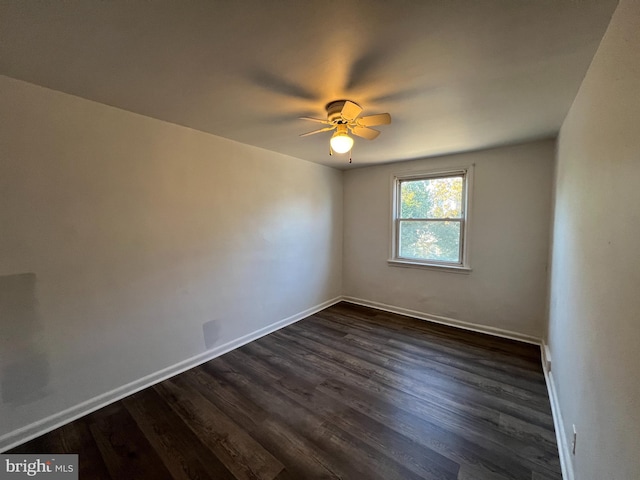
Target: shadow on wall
(24, 367)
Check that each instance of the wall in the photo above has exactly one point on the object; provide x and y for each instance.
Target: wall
(129, 245)
(594, 331)
(506, 289)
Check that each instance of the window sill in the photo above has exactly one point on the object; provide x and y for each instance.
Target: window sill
(429, 266)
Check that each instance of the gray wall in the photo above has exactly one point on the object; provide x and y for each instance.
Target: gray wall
(128, 245)
(509, 240)
(594, 331)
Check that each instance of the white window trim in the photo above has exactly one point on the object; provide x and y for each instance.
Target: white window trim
(465, 265)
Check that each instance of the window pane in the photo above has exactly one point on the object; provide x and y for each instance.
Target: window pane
(425, 240)
(431, 198)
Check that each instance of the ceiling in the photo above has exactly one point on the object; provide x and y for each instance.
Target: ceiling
(455, 75)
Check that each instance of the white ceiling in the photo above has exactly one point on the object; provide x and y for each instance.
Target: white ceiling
(455, 75)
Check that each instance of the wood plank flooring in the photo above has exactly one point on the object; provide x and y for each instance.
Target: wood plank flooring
(350, 392)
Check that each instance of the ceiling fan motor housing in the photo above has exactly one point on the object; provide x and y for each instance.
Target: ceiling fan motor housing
(334, 111)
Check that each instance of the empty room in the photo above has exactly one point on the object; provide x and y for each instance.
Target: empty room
(285, 239)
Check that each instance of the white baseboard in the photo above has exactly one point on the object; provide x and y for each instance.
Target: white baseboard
(498, 332)
(40, 427)
(564, 450)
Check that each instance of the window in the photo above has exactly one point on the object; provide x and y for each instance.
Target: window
(430, 219)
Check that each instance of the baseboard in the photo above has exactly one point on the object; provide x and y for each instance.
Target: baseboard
(40, 427)
(498, 332)
(564, 450)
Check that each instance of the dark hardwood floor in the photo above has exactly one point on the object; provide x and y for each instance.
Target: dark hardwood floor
(350, 392)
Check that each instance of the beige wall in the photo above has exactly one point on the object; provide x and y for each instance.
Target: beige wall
(128, 245)
(508, 246)
(594, 331)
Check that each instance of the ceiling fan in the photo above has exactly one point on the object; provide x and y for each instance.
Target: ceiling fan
(343, 117)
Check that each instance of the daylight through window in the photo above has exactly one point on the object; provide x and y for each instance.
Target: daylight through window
(430, 218)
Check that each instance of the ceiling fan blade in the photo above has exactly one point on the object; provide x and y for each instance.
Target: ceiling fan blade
(315, 120)
(350, 111)
(325, 129)
(373, 120)
(365, 132)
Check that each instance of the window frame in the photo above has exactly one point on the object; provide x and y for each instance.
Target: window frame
(467, 178)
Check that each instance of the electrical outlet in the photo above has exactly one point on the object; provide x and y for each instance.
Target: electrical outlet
(574, 441)
(547, 357)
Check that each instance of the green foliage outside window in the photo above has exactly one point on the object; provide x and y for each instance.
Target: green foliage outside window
(430, 204)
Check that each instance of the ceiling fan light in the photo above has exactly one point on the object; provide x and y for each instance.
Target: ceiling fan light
(341, 142)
